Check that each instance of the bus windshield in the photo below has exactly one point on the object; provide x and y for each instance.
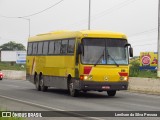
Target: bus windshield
(104, 51)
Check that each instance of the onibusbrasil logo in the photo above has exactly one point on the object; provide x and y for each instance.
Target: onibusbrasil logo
(21, 114)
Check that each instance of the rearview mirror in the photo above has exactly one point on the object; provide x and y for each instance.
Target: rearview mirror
(130, 49)
(131, 52)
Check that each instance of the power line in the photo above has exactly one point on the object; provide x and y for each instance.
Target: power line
(143, 32)
(142, 39)
(149, 39)
(107, 11)
(116, 7)
(145, 44)
(34, 13)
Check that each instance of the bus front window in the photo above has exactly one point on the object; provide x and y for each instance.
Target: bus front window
(104, 51)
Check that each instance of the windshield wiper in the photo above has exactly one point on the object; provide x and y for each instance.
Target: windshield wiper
(108, 56)
(112, 59)
(99, 58)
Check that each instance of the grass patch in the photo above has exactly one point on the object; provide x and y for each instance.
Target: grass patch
(134, 69)
(147, 74)
(135, 72)
(11, 66)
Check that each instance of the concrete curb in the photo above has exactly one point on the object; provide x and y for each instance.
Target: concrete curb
(144, 85)
(15, 75)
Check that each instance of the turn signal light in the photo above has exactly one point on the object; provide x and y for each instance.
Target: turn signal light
(81, 77)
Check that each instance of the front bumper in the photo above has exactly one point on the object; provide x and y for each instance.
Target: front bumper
(100, 86)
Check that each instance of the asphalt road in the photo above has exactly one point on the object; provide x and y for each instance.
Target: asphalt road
(22, 95)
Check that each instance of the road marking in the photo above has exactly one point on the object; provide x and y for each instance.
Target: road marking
(47, 107)
(30, 103)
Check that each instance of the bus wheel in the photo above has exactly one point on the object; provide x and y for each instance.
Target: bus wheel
(73, 92)
(85, 91)
(111, 93)
(43, 87)
(38, 87)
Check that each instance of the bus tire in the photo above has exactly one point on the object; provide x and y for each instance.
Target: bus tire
(73, 92)
(37, 84)
(43, 87)
(111, 92)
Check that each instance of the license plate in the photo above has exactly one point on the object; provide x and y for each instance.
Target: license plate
(105, 87)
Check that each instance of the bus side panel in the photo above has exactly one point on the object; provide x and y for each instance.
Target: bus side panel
(57, 82)
(59, 66)
(57, 69)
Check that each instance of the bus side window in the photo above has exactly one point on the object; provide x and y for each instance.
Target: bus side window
(57, 47)
(40, 45)
(45, 48)
(64, 46)
(51, 47)
(29, 50)
(71, 46)
(34, 48)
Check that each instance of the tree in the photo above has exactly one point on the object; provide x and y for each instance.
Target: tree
(12, 46)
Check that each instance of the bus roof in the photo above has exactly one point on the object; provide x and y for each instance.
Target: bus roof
(77, 34)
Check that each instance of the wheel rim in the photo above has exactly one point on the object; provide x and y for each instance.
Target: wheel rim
(41, 82)
(71, 88)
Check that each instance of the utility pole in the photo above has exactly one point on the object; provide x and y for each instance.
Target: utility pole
(89, 16)
(158, 47)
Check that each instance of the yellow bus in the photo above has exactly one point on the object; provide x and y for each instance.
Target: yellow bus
(83, 61)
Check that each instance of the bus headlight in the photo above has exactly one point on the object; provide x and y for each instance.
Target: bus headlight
(124, 78)
(86, 77)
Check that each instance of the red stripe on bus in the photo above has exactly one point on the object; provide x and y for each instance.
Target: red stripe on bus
(123, 74)
(87, 69)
